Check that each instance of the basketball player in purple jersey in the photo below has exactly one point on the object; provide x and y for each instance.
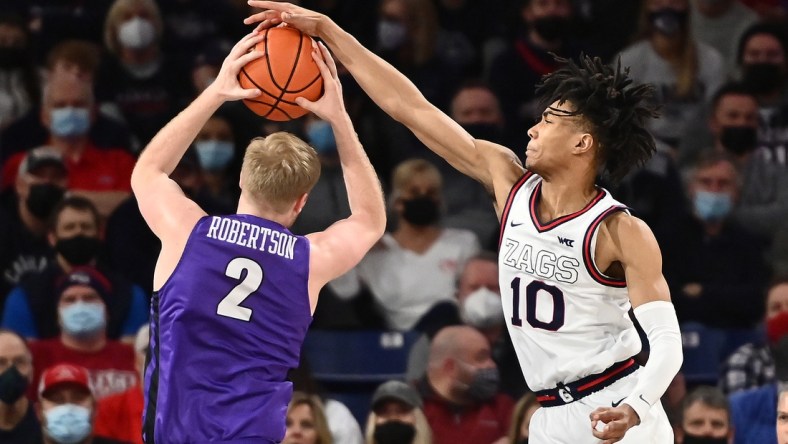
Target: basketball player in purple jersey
(235, 294)
(572, 260)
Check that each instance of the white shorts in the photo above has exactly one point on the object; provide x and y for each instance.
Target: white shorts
(571, 423)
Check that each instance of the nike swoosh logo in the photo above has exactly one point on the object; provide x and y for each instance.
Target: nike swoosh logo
(643, 399)
(616, 403)
(512, 224)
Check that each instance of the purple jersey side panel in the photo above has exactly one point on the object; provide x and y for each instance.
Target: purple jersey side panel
(225, 329)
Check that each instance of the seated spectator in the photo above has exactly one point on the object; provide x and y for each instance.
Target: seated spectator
(306, 422)
(521, 419)
(19, 88)
(461, 395)
(396, 416)
(782, 417)
(18, 421)
(705, 418)
(31, 307)
(413, 271)
(40, 185)
(119, 416)
(752, 365)
(82, 316)
(216, 151)
(66, 406)
(720, 24)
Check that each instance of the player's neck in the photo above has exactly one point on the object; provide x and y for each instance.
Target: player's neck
(245, 206)
(559, 198)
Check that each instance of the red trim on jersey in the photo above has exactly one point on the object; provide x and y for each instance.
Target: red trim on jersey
(505, 214)
(556, 222)
(545, 398)
(604, 378)
(589, 261)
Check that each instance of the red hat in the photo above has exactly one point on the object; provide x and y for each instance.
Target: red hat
(63, 374)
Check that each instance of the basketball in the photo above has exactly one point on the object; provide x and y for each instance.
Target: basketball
(286, 72)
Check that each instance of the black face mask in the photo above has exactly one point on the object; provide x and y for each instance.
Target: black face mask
(42, 199)
(394, 432)
(11, 57)
(421, 211)
(692, 439)
(762, 77)
(12, 385)
(78, 250)
(668, 21)
(484, 131)
(739, 139)
(552, 28)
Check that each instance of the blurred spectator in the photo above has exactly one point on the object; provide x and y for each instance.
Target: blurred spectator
(216, 150)
(461, 395)
(606, 25)
(31, 307)
(752, 365)
(19, 88)
(685, 72)
(18, 421)
(147, 87)
(306, 422)
(119, 416)
(768, 9)
(53, 21)
(412, 272)
(40, 185)
(705, 418)
(782, 417)
(396, 416)
(66, 406)
(709, 260)
(720, 24)
(521, 419)
(82, 317)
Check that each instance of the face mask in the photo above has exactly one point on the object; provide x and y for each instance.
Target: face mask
(391, 34)
(712, 207)
(777, 327)
(394, 432)
(484, 131)
(136, 33)
(12, 385)
(739, 139)
(762, 77)
(552, 28)
(668, 21)
(78, 250)
(321, 137)
(69, 121)
(83, 319)
(42, 199)
(214, 155)
(68, 423)
(484, 384)
(11, 57)
(482, 309)
(421, 211)
(692, 439)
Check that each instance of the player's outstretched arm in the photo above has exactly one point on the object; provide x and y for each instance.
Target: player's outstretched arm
(634, 246)
(342, 245)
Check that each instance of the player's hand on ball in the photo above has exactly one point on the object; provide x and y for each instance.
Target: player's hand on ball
(611, 423)
(281, 12)
(226, 84)
(331, 105)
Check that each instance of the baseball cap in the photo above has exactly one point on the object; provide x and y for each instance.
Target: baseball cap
(63, 374)
(397, 391)
(84, 276)
(39, 157)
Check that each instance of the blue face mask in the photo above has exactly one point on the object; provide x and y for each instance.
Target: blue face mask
(214, 155)
(712, 207)
(69, 121)
(321, 137)
(68, 423)
(83, 318)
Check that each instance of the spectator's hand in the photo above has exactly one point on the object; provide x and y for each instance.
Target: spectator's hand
(330, 106)
(692, 290)
(291, 15)
(611, 423)
(226, 85)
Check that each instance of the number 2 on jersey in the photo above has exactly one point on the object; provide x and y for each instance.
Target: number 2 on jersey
(230, 306)
(531, 293)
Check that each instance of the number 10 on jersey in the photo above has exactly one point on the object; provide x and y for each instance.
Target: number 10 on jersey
(532, 290)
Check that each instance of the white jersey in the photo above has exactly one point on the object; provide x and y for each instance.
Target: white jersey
(567, 320)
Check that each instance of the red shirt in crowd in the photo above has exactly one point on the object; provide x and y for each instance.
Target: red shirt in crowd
(119, 416)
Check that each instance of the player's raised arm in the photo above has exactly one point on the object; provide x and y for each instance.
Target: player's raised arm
(390, 90)
(342, 245)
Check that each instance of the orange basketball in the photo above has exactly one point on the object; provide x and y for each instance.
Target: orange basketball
(286, 72)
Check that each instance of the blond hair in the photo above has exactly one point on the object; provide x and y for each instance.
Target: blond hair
(279, 169)
(116, 16)
(318, 415)
(405, 171)
(423, 430)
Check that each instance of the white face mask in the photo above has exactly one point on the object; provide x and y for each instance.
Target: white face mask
(136, 33)
(482, 309)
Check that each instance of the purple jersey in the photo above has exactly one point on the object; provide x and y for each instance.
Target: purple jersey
(225, 329)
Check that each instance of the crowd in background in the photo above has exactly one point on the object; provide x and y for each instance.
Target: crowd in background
(85, 85)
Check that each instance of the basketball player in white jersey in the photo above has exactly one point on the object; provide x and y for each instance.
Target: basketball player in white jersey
(572, 259)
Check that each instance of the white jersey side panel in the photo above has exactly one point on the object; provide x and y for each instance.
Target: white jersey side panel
(566, 319)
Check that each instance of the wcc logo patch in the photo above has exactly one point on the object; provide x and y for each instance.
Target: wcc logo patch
(565, 241)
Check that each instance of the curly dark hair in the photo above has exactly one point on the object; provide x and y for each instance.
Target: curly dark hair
(615, 109)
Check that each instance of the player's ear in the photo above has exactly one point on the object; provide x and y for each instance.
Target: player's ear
(299, 205)
(583, 144)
